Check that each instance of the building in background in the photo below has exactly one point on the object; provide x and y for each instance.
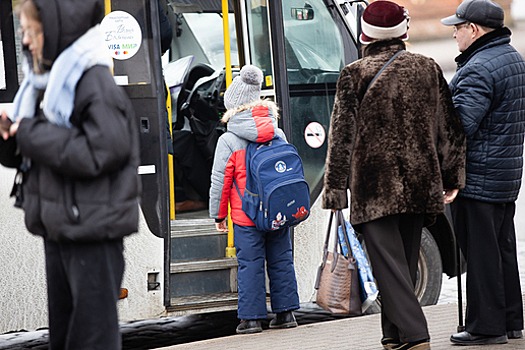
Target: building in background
(425, 16)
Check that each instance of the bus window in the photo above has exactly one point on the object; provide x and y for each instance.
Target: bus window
(207, 28)
(351, 13)
(8, 60)
(259, 38)
(314, 52)
(201, 35)
(3, 84)
(314, 48)
(133, 69)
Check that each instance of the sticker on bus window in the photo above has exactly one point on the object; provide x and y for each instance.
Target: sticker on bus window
(122, 34)
(314, 135)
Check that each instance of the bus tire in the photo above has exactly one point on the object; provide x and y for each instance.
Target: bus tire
(430, 271)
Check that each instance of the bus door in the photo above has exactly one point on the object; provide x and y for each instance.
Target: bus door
(131, 33)
(310, 44)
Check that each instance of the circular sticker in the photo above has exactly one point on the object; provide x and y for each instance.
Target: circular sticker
(280, 166)
(314, 135)
(122, 34)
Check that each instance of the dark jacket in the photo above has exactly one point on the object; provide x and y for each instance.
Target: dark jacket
(9, 156)
(489, 95)
(397, 145)
(82, 182)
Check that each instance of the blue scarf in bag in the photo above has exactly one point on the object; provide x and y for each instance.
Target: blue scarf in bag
(368, 288)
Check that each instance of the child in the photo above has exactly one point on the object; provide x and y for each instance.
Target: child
(251, 119)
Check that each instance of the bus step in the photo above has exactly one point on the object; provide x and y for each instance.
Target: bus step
(196, 239)
(210, 302)
(203, 277)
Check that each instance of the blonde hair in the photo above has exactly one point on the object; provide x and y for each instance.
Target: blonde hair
(267, 103)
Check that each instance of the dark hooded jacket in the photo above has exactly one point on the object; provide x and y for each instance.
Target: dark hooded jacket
(82, 182)
(488, 91)
(396, 144)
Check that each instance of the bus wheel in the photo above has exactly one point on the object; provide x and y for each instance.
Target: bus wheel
(429, 271)
(429, 274)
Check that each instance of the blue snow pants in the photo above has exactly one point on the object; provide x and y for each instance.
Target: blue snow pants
(254, 247)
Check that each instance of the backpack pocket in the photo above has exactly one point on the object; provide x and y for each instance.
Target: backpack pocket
(250, 204)
(288, 204)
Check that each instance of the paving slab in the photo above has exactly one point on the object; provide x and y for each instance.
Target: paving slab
(359, 333)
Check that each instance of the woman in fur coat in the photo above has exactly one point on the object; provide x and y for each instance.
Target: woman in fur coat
(399, 148)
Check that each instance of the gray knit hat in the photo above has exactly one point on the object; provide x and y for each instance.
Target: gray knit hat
(245, 88)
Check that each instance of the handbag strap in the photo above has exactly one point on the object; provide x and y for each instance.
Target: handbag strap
(383, 68)
(340, 222)
(327, 238)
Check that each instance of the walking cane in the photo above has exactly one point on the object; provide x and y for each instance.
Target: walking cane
(448, 215)
(461, 326)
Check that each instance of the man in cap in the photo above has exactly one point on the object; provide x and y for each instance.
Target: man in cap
(489, 95)
(397, 144)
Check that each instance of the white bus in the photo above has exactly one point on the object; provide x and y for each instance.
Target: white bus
(177, 263)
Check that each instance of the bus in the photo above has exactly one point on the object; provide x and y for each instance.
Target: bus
(177, 264)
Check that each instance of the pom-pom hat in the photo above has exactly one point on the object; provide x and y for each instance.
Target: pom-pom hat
(245, 88)
(483, 12)
(384, 20)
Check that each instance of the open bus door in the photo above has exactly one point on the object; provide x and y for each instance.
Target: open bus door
(301, 49)
(132, 35)
(312, 42)
(131, 31)
(301, 46)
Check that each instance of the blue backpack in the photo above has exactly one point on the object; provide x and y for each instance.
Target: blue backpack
(276, 194)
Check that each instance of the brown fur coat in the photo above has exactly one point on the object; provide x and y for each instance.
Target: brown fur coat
(397, 145)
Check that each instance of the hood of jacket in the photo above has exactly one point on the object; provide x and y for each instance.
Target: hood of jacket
(255, 122)
(64, 21)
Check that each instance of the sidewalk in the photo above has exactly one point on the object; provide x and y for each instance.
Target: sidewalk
(361, 333)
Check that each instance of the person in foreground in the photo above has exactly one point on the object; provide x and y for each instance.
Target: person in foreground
(251, 119)
(399, 147)
(74, 141)
(488, 91)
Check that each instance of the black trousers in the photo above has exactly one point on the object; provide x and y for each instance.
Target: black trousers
(83, 284)
(487, 238)
(393, 244)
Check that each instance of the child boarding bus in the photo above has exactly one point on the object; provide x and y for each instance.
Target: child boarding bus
(178, 263)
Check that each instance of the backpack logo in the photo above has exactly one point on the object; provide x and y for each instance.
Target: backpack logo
(280, 166)
(276, 194)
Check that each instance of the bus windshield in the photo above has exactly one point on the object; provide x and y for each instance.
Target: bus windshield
(207, 28)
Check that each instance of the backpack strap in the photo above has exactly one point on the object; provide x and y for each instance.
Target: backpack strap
(248, 156)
